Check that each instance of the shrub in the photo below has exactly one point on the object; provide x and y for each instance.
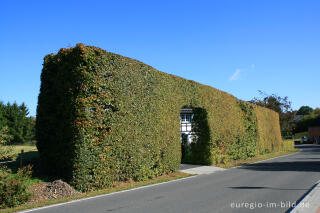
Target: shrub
(13, 189)
(288, 145)
(102, 117)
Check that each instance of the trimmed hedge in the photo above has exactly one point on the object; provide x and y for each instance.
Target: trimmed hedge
(102, 117)
(269, 133)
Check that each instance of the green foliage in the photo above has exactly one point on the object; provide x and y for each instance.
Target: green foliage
(102, 117)
(13, 188)
(288, 145)
(186, 151)
(269, 134)
(305, 110)
(316, 111)
(299, 135)
(245, 145)
(281, 105)
(200, 149)
(308, 121)
(20, 126)
(274, 102)
(4, 139)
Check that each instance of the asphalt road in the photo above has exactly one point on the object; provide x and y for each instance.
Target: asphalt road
(267, 186)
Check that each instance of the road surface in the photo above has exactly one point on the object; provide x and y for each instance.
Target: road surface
(268, 186)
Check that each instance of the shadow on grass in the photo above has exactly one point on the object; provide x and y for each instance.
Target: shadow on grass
(29, 158)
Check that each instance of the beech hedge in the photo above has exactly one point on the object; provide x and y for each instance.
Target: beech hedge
(102, 118)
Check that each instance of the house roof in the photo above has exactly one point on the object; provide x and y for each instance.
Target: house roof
(186, 110)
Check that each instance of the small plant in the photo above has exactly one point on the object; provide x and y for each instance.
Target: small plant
(13, 188)
(288, 145)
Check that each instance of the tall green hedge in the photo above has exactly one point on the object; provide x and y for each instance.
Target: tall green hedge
(102, 117)
(269, 133)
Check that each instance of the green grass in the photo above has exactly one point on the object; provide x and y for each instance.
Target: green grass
(30, 152)
(26, 148)
(118, 187)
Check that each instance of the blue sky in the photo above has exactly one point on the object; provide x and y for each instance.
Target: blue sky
(238, 46)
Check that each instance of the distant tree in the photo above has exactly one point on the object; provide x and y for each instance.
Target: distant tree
(282, 105)
(305, 110)
(27, 122)
(316, 111)
(5, 137)
(2, 115)
(306, 122)
(274, 102)
(312, 119)
(20, 126)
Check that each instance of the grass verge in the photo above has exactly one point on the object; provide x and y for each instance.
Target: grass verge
(256, 159)
(118, 187)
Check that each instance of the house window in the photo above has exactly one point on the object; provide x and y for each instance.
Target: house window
(186, 117)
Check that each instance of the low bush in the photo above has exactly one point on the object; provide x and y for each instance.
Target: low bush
(288, 146)
(13, 188)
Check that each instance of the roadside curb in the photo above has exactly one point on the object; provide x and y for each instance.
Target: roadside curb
(310, 202)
